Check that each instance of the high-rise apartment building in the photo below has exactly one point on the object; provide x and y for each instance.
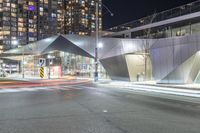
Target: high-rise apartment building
(25, 21)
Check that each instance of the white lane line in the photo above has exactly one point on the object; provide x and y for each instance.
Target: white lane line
(24, 89)
(70, 87)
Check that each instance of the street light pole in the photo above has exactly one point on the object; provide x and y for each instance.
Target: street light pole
(96, 44)
(49, 74)
(16, 43)
(23, 63)
(96, 77)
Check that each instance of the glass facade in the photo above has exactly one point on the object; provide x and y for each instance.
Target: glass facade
(168, 14)
(161, 30)
(168, 31)
(61, 64)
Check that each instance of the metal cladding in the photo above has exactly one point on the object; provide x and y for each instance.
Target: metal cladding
(171, 60)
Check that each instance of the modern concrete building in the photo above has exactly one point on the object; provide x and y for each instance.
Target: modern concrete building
(175, 35)
(179, 21)
(170, 60)
(165, 50)
(26, 21)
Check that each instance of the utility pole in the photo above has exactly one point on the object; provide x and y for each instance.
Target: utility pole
(96, 44)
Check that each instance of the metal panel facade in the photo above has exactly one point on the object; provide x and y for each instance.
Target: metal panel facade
(167, 55)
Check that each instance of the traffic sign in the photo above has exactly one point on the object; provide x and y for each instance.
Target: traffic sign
(42, 72)
(42, 62)
(50, 61)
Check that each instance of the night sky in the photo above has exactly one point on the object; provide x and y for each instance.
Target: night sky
(129, 10)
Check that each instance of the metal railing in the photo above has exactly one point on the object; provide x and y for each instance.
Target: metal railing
(168, 14)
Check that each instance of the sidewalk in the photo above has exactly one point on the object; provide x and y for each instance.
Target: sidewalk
(29, 78)
(177, 86)
(190, 90)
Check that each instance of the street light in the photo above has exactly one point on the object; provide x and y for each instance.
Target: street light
(109, 11)
(15, 42)
(23, 63)
(100, 45)
(97, 44)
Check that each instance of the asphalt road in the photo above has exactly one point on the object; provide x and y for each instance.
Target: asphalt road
(89, 109)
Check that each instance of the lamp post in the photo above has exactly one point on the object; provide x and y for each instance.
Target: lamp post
(96, 77)
(96, 44)
(23, 63)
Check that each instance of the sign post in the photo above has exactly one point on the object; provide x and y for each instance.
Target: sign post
(42, 63)
(42, 72)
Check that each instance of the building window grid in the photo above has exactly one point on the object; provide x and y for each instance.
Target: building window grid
(24, 20)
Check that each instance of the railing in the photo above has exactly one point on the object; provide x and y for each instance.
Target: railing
(171, 13)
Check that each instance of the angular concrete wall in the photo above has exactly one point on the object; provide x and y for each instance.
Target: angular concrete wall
(116, 68)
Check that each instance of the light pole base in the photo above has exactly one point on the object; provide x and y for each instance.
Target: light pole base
(96, 78)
